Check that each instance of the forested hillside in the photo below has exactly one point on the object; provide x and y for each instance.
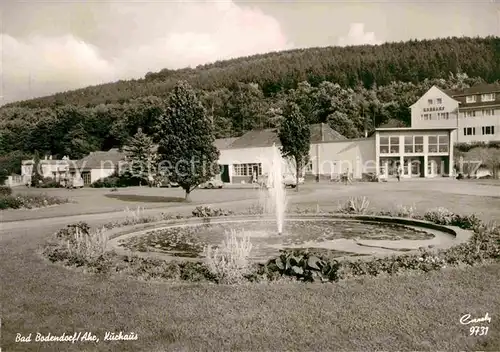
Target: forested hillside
(411, 61)
(353, 89)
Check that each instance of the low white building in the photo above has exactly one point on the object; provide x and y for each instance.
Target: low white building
(250, 156)
(97, 165)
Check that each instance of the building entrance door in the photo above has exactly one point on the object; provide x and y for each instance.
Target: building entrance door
(86, 178)
(224, 176)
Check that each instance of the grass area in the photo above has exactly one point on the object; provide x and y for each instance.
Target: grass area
(145, 198)
(396, 313)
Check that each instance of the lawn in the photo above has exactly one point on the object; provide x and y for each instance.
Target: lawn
(398, 313)
(410, 312)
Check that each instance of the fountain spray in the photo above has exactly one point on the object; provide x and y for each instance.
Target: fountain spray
(276, 188)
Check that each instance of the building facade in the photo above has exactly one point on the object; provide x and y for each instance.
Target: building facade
(419, 152)
(97, 165)
(249, 157)
(48, 168)
(474, 112)
(330, 159)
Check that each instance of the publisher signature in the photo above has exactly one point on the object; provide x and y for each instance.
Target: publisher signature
(468, 319)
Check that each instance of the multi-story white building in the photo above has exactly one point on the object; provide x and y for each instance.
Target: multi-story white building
(474, 112)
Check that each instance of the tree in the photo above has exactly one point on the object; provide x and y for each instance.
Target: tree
(488, 157)
(341, 123)
(36, 172)
(185, 136)
(295, 137)
(139, 151)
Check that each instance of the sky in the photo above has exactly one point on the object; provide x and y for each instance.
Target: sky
(53, 46)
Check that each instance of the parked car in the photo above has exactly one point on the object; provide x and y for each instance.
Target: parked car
(74, 182)
(163, 181)
(291, 181)
(288, 181)
(213, 183)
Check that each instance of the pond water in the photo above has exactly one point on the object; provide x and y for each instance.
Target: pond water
(189, 240)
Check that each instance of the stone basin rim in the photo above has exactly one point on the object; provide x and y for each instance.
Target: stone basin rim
(459, 234)
(117, 234)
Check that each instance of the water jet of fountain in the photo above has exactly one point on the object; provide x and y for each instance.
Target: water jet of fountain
(276, 188)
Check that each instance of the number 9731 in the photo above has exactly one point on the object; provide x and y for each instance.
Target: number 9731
(478, 331)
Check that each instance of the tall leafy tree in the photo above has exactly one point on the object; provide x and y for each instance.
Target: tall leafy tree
(341, 123)
(140, 154)
(295, 137)
(185, 135)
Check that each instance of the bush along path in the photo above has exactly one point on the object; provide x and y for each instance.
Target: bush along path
(78, 245)
(24, 201)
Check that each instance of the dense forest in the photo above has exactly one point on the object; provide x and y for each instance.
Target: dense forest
(354, 89)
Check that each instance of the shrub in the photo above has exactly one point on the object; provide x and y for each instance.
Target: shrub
(440, 215)
(111, 182)
(466, 222)
(256, 209)
(137, 216)
(78, 245)
(369, 177)
(11, 202)
(69, 232)
(404, 211)
(29, 201)
(49, 183)
(5, 191)
(302, 265)
(483, 245)
(229, 263)
(134, 217)
(357, 205)
(207, 211)
(87, 245)
(443, 216)
(305, 266)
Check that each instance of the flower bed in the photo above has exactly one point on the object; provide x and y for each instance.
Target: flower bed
(24, 201)
(304, 265)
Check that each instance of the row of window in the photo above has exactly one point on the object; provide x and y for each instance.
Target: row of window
(469, 99)
(438, 116)
(434, 108)
(446, 115)
(247, 169)
(484, 112)
(438, 101)
(484, 97)
(486, 130)
(414, 144)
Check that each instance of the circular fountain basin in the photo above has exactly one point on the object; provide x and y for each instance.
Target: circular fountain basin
(337, 236)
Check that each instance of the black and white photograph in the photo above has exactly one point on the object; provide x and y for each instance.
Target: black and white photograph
(261, 175)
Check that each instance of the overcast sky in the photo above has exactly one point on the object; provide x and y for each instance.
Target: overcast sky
(53, 46)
